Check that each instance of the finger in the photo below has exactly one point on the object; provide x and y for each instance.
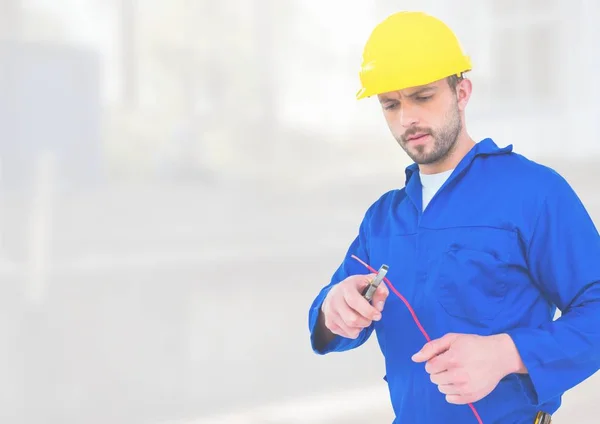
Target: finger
(450, 389)
(349, 316)
(460, 399)
(337, 330)
(344, 330)
(365, 280)
(434, 348)
(358, 303)
(361, 281)
(440, 363)
(333, 321)
(334, 328)
(380, 296)
(353, 319)
(447, 377)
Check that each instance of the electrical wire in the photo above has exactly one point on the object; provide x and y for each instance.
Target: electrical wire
(414, 316)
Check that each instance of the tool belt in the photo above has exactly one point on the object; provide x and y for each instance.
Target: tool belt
(543, 418)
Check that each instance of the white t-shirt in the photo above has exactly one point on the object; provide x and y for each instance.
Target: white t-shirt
(431, 183)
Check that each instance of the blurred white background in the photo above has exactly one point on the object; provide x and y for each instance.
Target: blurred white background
(179, 178)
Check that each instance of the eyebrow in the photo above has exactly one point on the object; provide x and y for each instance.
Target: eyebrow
(415, 94)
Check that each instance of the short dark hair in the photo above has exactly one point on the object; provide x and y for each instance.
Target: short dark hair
(453, 81)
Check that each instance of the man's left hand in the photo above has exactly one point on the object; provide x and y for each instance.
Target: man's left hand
(467, 367)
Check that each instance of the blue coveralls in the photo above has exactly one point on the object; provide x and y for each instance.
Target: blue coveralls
(503, 243)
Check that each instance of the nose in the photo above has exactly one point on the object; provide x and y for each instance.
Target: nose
(408, 116)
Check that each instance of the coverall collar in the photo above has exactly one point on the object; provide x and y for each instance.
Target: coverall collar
(486, 147)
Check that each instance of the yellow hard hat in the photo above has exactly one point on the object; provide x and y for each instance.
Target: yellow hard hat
(409, 49)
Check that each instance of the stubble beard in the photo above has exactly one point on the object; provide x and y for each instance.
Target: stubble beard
(444, 141)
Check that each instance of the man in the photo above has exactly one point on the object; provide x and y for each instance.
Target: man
(482, 243)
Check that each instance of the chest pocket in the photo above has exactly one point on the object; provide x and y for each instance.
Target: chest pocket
(470, 277)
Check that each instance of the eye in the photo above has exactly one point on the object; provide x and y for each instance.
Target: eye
(423, 98)
(390, 106)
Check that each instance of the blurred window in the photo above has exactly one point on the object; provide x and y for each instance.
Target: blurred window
(525, 65)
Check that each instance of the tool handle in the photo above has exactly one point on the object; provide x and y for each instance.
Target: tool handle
(368, 292)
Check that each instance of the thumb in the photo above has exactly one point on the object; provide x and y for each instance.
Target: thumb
(380, 296)
(360, 281)
(434, 348)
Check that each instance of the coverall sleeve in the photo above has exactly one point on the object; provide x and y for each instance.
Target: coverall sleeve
(348, 267)
(564, 261)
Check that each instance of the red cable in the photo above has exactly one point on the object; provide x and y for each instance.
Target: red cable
(414, 315)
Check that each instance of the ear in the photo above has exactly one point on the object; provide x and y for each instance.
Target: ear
(463, 93)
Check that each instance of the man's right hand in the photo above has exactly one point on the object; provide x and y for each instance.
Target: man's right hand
(346, 312)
